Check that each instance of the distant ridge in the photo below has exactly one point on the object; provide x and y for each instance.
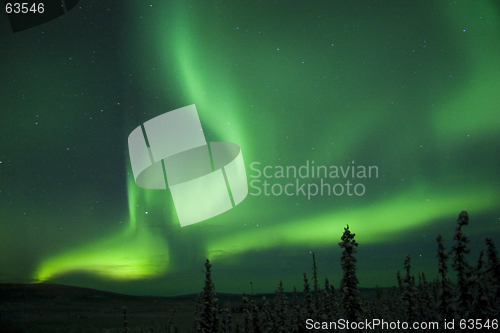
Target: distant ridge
(43, 307)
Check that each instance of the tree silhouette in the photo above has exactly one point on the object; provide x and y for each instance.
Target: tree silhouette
(349, 282)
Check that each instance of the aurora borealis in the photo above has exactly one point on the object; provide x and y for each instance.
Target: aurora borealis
(411, 88)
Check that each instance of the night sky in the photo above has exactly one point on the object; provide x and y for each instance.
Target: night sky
(412, 88)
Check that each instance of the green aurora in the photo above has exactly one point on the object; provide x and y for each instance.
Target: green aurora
(410, 88)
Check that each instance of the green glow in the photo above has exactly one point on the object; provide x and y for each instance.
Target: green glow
(214, 91)
(373, 222)
(411, 93)
(474, 110)
(123, 257)
(134, 253)
(203, 78)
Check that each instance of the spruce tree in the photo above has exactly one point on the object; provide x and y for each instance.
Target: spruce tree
(281, 323)
(267, 316)
(225, 325)
(208, 320)
(315, 280)
(493, 270)
(445, 308)
(481, 300)
(315, 274)
(255, 317)
(125, 321)
(310, 310)
(409, 292)
(463, 298)
(349, 282)
(247, 314)
(400, 282)
(328, 306)
(296, 323)
(424, 298)
(492, 278)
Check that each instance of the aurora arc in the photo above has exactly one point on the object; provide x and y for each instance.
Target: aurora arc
(224, 97)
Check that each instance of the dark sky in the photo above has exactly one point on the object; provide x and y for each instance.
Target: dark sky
(412, 89)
